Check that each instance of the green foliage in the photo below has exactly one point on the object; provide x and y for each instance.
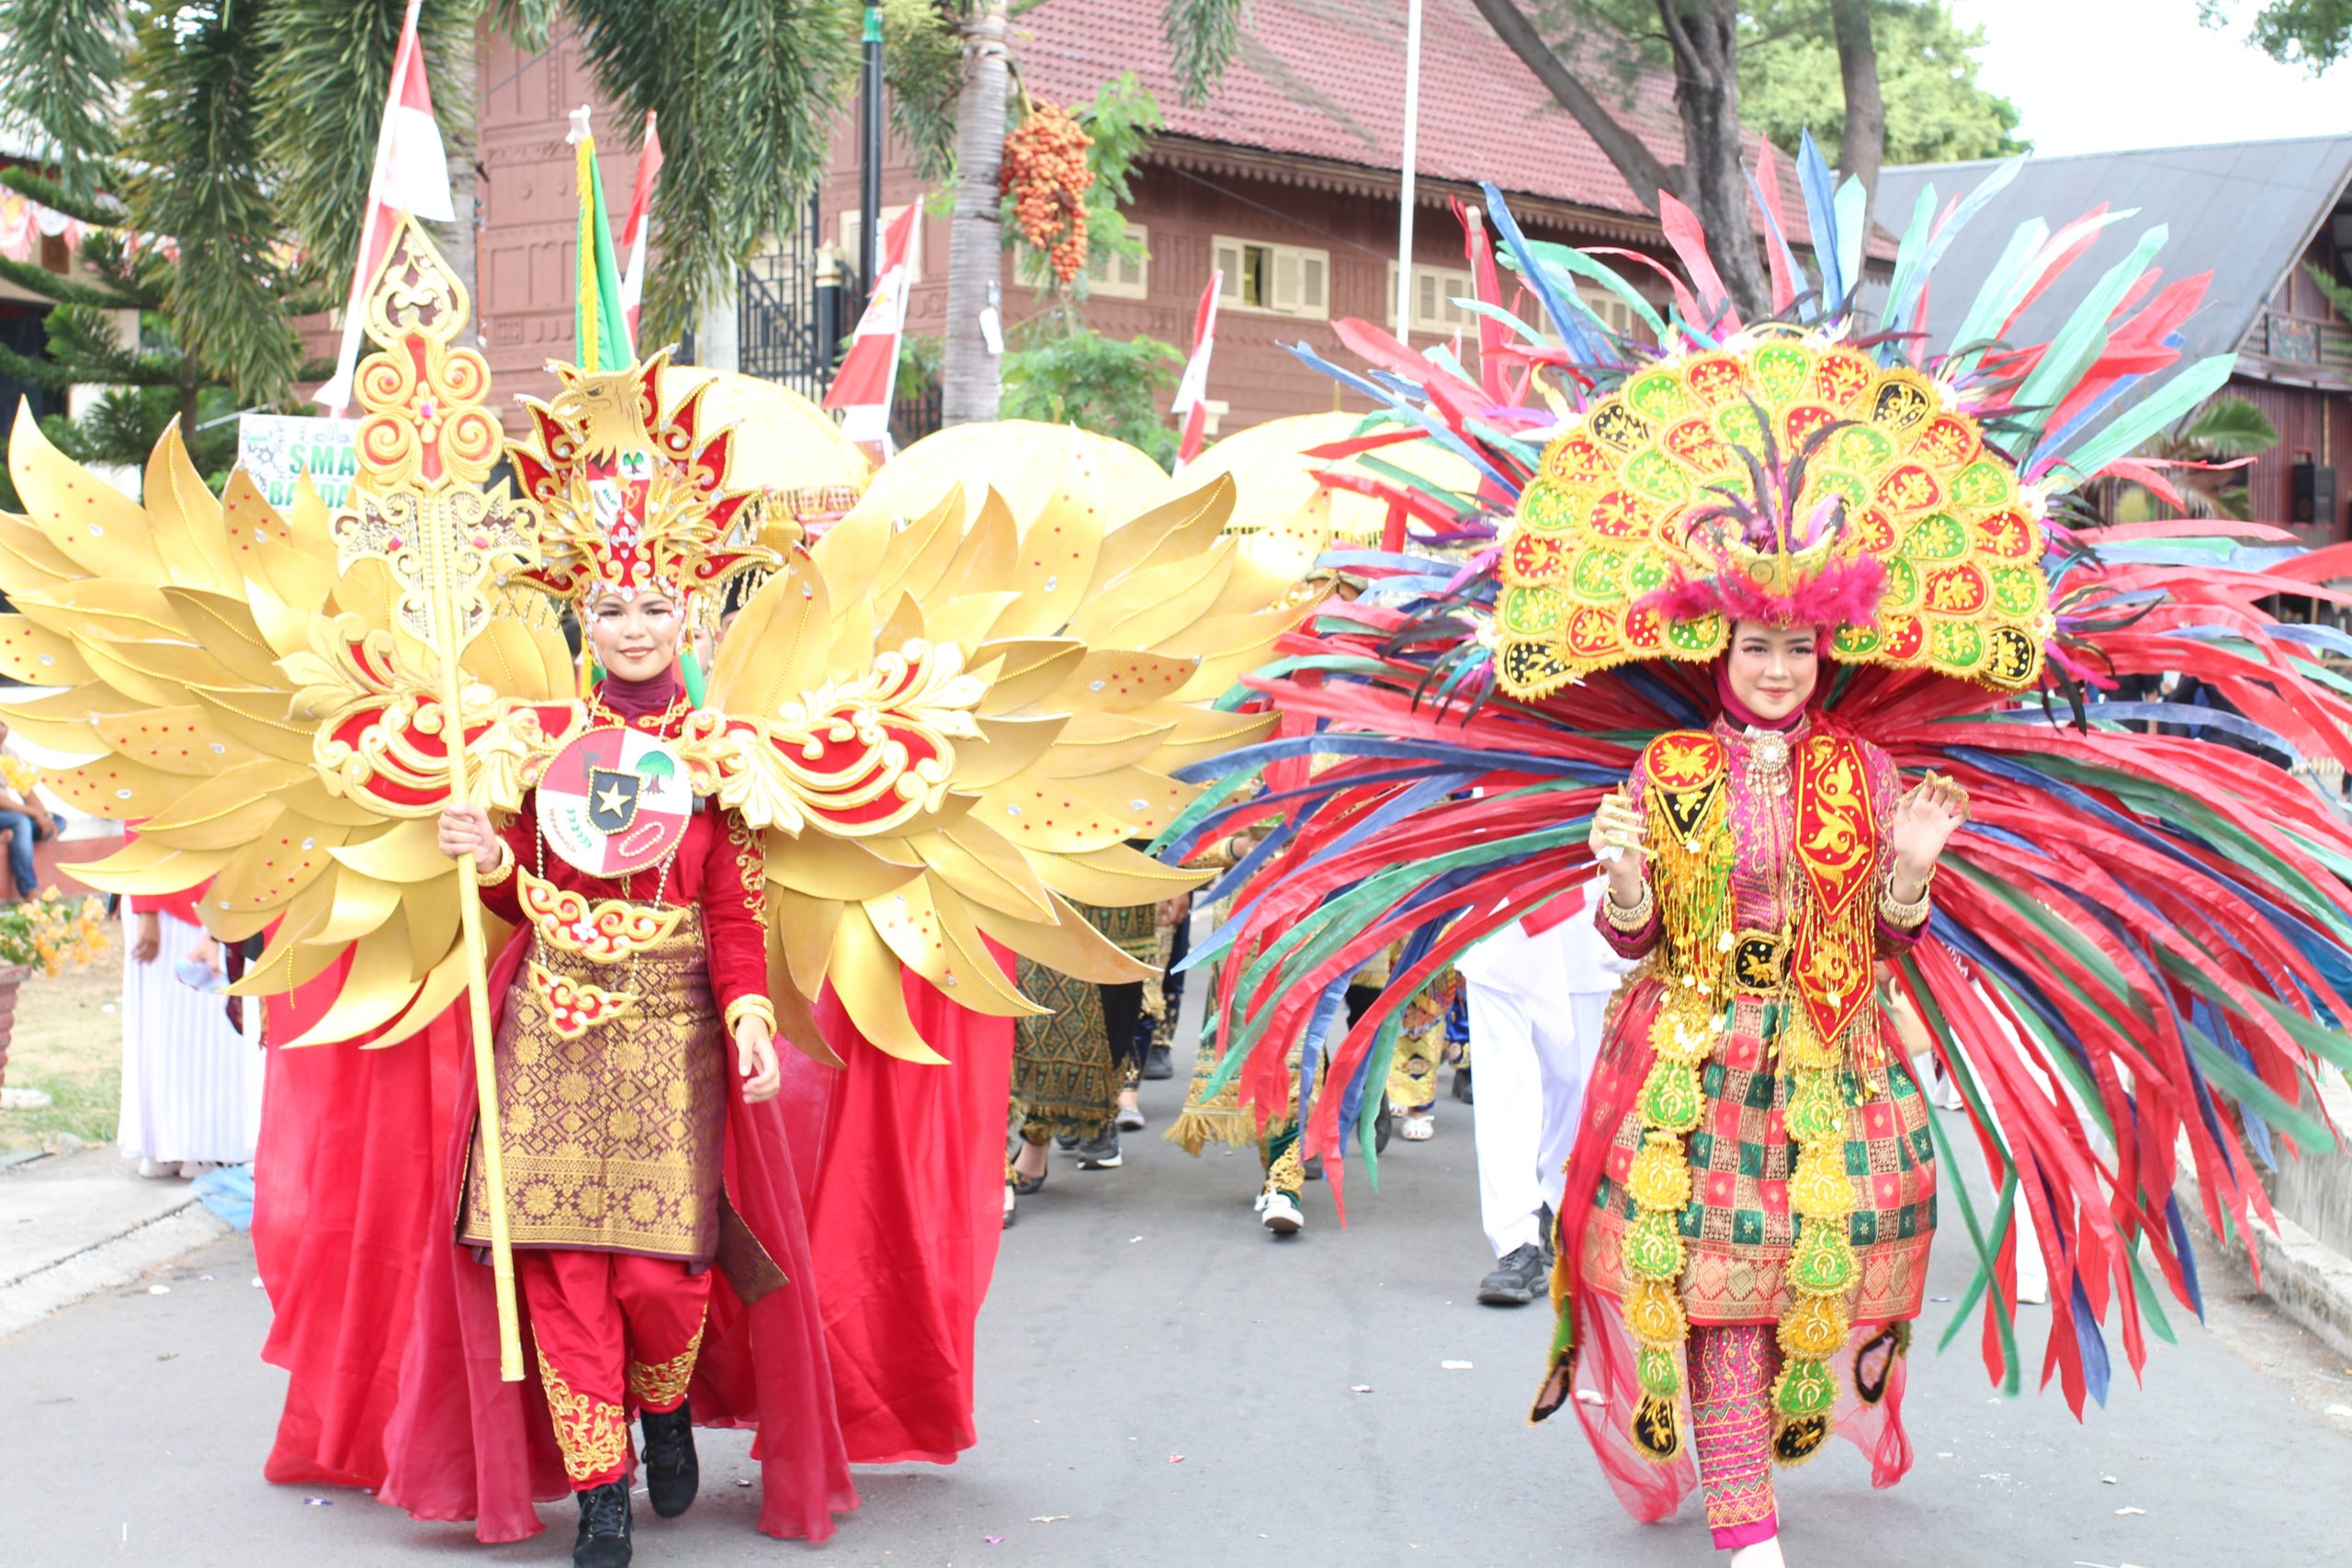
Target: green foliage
(1202, 37)
(1121, 118)
(1936, 113)
(922, 65)
(2225, 428)
(2231, 427)
(122, 426)
(194, 149)
(2336, 294)
(59, 61)
(2312, 33)
(1098, 384)
(323, 70)
(747, 91)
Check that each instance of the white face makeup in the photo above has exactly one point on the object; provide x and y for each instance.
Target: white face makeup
(1773, 671)
(635, 635)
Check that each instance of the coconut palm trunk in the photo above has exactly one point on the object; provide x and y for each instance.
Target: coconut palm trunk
(971, 379)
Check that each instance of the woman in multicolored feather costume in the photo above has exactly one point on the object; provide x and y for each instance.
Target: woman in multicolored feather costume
(1835, 606)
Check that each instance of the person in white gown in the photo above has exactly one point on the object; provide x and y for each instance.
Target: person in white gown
(191, 1082)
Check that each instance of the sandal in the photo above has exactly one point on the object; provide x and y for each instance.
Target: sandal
(1418, 1127)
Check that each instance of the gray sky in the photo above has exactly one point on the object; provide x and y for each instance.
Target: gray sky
(2098, 75)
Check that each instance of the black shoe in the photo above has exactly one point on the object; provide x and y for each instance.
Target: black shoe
(1100, 1152)
(1550, 1221)
(1066, 1142)
(1516, 1279)
(602, 1541)
(672, 1475)
(1156, 1065)
(1461, 1085)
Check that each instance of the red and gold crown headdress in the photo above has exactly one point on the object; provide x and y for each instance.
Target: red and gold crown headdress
(635, 498)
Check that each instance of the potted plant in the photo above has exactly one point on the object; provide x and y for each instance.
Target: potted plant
(44, 933)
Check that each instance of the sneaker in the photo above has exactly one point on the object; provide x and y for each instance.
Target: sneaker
(603, 1540)
(1100, 1153)
(1156, 1065)
(1130, 1119)
(1516, 1278)
(672, 1472)
(1418, 1127)
(1280, 1214)
(1066, 1142)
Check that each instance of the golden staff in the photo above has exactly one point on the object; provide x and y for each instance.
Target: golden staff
(418, 508)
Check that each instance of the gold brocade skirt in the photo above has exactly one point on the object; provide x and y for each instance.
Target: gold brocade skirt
(614, 1139)
(1739, 1233)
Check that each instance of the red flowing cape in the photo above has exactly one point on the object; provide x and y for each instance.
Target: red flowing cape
(876, 1190)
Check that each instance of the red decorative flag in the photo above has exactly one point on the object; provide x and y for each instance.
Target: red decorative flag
(863, 385)
(1192, 393)
(640, 220)
(412, 176)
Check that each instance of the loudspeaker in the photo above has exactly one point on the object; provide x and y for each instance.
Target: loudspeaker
(2314, 493)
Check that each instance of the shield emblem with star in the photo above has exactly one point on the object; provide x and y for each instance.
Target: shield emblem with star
(615, 801)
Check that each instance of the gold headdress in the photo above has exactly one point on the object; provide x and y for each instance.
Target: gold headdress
(635, 498)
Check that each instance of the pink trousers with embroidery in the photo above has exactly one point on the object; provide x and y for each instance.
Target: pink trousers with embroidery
(1732, 1370)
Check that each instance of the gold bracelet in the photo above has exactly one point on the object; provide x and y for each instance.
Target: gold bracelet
(501, 871)
(1629, 921)
(1911, 916)
(742, 1008)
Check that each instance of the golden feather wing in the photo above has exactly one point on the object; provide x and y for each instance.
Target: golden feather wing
(956, 717)
(212, 670)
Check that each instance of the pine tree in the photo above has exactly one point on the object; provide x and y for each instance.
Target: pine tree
(149, 380)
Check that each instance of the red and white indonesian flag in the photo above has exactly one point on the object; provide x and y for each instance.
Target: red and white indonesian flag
(1192, 392)
(412, 176)
(615, 801)
(869, 371)
(640, 218)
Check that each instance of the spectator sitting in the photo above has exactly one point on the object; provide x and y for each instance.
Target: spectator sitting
(23, 817)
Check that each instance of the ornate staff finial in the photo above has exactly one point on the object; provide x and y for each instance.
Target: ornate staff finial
(425, 445)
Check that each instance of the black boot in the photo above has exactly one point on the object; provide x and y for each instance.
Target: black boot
(602, 1541)
(672, 1474)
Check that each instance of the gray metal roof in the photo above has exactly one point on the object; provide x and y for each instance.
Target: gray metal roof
(2244, 210)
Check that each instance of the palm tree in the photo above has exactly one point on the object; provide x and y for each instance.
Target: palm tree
(2222, 432)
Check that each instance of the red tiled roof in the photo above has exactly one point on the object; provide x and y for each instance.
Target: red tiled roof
(1324, 79)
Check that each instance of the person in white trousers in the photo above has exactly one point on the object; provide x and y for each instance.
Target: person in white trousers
(1536, 1005)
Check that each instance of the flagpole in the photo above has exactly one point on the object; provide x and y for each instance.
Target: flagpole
(1411, 156)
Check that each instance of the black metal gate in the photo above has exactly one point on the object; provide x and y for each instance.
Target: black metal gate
(782, 330)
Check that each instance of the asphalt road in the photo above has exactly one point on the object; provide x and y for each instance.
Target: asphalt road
(1164, 1384)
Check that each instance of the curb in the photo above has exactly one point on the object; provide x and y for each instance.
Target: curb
(107, 1265)
(2308, 1280)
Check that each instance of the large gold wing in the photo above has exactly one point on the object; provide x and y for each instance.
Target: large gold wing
(199, 648)
(1024, 687)
(948, 723)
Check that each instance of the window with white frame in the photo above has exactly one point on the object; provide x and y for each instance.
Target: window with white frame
(1613, 311)
(1115, 277)
(850, 218)
(1276, 280)
(1432, 306)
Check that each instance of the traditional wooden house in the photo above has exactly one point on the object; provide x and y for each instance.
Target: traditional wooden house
(1287, 180)
(2262, 217)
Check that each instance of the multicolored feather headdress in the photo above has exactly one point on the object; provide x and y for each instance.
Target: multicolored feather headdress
(635, 498)
(2154, 920)
(1785, 476)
